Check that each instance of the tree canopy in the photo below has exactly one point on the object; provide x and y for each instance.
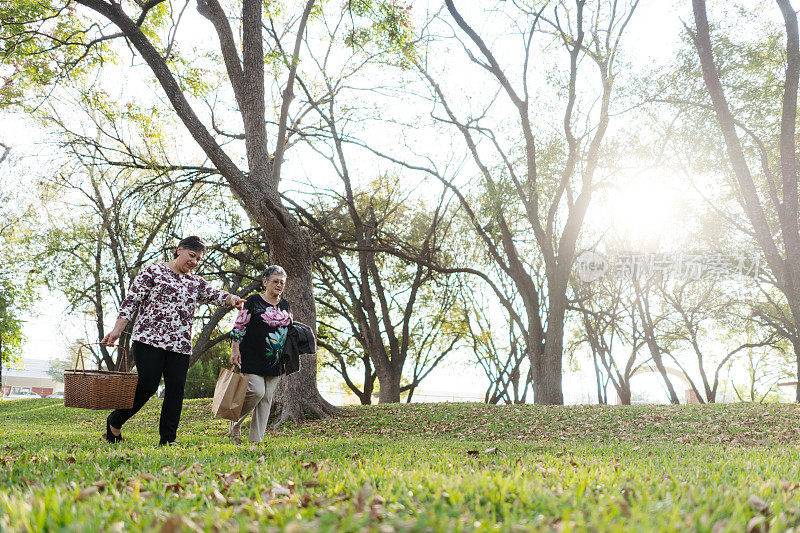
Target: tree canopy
(429, 176)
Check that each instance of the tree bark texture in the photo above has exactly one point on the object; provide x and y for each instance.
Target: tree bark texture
(624, 393)
(297, 395)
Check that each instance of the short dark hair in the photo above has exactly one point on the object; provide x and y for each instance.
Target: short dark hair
(193, 243)
(271, 271)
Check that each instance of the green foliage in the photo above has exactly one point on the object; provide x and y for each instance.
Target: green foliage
(43, 42)
(418, 467)
(750, 55)
(10, 324)
(103, 226)
(18, 282)
(389, 218)
(385, 24)
(67, 361)
(195, 81)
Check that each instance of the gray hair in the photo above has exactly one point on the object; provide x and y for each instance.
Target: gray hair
(271, 271)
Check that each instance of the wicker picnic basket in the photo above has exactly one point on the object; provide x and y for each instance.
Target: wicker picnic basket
(99, 389)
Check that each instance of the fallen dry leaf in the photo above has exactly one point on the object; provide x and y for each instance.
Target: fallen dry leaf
(86, 492)
(177, 524)
(757, 524)
(758, 504)
(376, 512)
(720, 526)
(789, 486)
(194, 467)
(174, 487)
(219, 498)
(305, 500)
(363, 496)
(228, 478)
(171, 525)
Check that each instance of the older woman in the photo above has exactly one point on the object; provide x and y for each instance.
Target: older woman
(163, 298)
(259, 335)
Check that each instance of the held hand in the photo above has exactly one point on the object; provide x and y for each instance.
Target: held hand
(236, 359)
(111, 338)
(235, 301)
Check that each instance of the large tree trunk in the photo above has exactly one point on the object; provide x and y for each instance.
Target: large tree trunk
(796, 346)
(366, 395)
(389, 381)
(369, 383)
(547, 387)
(795, 340)
(624, 393)
(297, 395)
(547, 384)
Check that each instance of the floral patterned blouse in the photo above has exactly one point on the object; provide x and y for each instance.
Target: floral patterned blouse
(260, 329)
(164, 302)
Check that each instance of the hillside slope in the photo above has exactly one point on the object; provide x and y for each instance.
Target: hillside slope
(418, 467)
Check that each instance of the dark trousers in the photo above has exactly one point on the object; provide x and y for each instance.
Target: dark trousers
(152, 363)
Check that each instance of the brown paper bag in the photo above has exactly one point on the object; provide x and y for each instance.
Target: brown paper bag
(229, 394)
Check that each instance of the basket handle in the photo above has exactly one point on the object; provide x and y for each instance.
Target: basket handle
(124, 360)
(80, 358)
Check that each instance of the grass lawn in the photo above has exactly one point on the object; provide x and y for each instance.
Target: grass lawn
(419, 467)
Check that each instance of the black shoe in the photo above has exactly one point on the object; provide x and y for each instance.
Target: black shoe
(110, 437)
(167, 443)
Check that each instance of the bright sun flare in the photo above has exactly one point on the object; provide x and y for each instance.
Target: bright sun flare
(643, 214)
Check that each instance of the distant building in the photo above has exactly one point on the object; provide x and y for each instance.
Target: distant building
(31, 377)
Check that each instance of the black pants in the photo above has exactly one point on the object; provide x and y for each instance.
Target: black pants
(152, 363)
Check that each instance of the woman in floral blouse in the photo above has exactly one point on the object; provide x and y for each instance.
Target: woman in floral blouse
(259, 335)
(163, 298)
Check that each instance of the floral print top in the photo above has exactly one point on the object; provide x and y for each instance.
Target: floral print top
(163, 303)
(260, 329)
